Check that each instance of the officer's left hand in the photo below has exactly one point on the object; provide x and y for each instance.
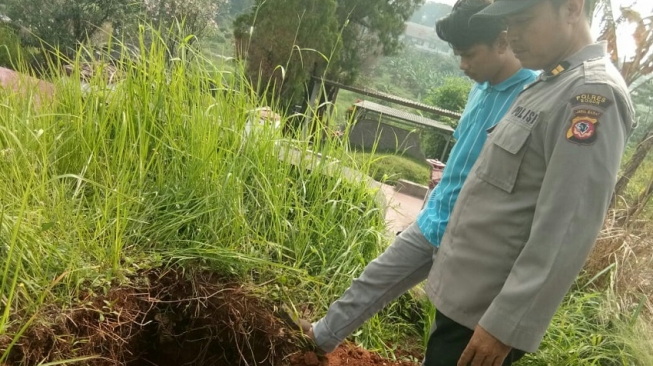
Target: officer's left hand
(484, 350)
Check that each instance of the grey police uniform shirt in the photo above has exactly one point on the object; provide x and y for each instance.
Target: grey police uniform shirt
(535, 201)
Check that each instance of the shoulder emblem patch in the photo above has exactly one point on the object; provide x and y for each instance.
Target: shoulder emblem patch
(589, 99)
(584, 127)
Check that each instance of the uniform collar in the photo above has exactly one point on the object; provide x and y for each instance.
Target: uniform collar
(515, 79)
(589, 52)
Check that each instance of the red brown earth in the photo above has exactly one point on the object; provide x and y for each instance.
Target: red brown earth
(170, 317)
(345, 355)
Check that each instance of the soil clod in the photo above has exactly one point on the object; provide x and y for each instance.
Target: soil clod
(176, 319)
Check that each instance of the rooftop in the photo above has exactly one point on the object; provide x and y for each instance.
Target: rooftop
(403, 116)
(391, 98)
(422, 32)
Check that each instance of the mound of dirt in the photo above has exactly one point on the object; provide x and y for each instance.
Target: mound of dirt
(173, 318)
(345, 355)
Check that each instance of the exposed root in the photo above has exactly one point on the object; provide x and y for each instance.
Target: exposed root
(174, 320)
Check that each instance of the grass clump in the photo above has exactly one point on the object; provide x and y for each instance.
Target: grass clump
(155, 169)
(390, 168)
(589, 330)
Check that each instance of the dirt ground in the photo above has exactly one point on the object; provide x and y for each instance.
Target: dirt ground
(345, 355)
(170, 317)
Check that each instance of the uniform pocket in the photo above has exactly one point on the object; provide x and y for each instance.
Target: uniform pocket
(503, 155)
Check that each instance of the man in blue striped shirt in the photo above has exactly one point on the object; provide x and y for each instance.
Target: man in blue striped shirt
(486, 104)
(486, 58)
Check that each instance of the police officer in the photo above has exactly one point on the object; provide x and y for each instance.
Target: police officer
(486, 58)
(534, 202)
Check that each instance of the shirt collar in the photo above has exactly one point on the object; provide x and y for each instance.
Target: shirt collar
(589, 52)
(515, 79)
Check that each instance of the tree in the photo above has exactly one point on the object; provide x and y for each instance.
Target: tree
(63, 23)
(66, 24)
(429, 13)
(452, 95)
(412, 70)
(284, 41)
(197, 16)
(238, 7)
(368, 29)
(635, 69)
(640, 64)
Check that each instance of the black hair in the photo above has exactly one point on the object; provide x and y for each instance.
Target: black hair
(456, 29)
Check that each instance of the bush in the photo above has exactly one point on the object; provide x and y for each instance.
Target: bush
(452, 96)
(10, 49)
(389, 168)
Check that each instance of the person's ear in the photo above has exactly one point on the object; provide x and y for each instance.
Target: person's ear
(574, 10)
(501, 43)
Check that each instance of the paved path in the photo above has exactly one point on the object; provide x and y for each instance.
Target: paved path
(402, 209)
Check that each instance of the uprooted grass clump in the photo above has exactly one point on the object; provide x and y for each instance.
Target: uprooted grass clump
(167, 317)
(101, 182)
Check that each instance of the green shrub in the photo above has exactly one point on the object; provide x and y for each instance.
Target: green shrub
(452, 96)
(588, 329)
(10, 48)
(389, 168)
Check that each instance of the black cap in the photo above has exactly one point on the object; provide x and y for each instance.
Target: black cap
(502, 8)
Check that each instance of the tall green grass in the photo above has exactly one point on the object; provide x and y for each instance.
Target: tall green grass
(157, 169)
(589, 330)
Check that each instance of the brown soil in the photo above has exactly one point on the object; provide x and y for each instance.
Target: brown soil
(172, 318)
(345, 355)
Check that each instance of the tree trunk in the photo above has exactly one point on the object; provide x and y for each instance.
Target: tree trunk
(642, 150)
(326, 97)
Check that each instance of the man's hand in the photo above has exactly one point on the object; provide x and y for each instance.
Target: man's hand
(484, 350)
